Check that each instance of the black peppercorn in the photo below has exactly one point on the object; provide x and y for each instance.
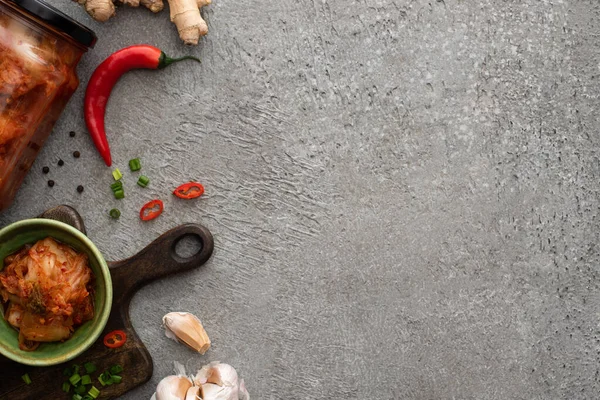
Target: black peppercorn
(80, 189)
(72, 133)
(61, 163)
(76, 154)
(45, 170)
(51, 183)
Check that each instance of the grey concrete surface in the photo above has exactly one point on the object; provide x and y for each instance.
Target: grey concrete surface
(404, 193)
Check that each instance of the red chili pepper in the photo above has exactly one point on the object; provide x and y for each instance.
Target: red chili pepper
(104, 79)
(151, 210)
(115, 339)
(189, 190)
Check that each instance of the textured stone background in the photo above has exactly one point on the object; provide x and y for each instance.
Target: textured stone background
(404, 193)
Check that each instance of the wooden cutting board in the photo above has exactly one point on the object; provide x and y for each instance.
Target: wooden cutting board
(157, 260)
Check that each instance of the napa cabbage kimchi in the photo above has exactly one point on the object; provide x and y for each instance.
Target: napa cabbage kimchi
(46, 291)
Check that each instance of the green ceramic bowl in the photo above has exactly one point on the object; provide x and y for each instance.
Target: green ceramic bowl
(14, 237)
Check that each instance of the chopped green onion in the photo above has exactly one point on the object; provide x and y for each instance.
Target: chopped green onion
(119, 194)
(105, 379)
(94, 392)
(135, 164)
(143, 181)
(116, 186)
(80, 389)
(116, 379)
(90, 367)
(75, 369)
(66, 387)
(86, 380)
(117, 174)
(76, 397)
(115, 214)
(26, 379)
(116, 369)
(68, 371)
(74, 379)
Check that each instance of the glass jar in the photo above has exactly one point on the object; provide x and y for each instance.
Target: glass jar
(40, 48)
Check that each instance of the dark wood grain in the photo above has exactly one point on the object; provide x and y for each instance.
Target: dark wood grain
(66, 214)
(157, 260)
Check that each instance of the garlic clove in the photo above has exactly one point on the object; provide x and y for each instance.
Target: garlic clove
(193, 393)
(186, 328)
(173, 388)
(217, 373)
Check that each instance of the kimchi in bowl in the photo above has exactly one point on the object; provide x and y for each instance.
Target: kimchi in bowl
(20, 234)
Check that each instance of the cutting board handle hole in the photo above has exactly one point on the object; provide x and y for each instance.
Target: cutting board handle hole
(188, 246)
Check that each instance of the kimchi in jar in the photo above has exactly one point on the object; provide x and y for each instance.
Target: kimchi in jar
(39, 51)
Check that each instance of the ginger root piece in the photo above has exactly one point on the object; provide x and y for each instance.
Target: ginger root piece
(185, 14)
(103, 10)
(153, 5)
(100, 10)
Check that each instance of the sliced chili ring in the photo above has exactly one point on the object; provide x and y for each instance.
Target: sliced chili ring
(190, 190)
(115, 339)
(151, 210)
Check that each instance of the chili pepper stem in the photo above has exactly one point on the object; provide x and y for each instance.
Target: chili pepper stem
(164, 60)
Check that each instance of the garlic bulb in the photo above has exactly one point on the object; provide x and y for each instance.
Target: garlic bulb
(172, 388)
(214, 381)
(186, 328)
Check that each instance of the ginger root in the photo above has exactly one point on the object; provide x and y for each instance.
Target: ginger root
(100, 10)
(103, 10)
(185, 14)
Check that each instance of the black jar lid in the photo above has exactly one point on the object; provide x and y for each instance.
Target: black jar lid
(60, 21)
